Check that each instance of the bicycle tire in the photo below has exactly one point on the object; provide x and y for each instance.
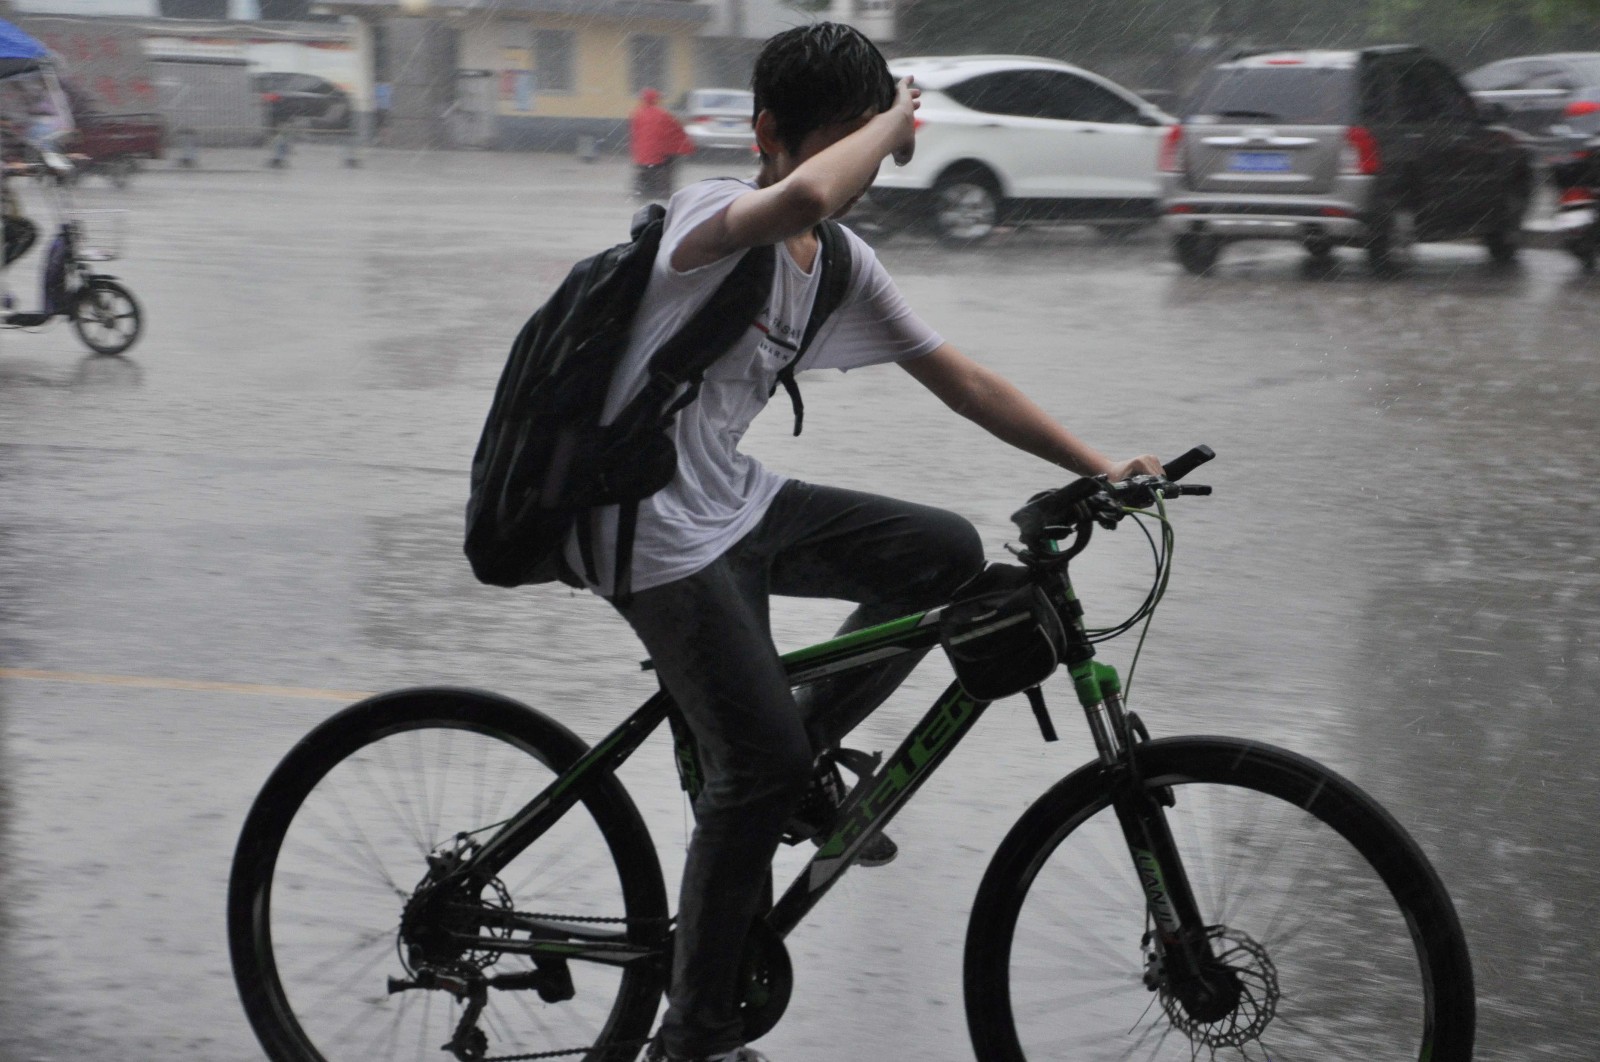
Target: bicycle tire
(106, 316)
(1017, 915)
(313, 979)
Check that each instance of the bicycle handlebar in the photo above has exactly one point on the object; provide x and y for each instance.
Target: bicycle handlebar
(1054, 514)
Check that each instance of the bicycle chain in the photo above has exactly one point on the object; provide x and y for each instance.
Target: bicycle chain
(633, 1045)
(612, 919)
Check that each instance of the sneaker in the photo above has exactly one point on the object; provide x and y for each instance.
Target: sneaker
(657, 1053)
(819, 807)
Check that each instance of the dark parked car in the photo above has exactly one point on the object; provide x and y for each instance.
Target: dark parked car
(1540, 94)
(1377, 149)
(111, 145)
(302, 100)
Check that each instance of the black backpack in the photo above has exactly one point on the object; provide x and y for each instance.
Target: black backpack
(544, 459)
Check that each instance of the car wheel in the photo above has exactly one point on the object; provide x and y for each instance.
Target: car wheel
(1196, 252)
(336, 116)
(120, 171)
(1390, 239)
(1320, 259)
(966, 207)
(1585, 246)
(1505, 239)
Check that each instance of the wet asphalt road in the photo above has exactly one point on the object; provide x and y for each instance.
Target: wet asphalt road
(211, 545)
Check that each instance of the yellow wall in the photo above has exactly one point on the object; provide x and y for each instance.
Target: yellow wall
(600, 67)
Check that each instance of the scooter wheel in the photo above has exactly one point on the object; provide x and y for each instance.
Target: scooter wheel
(106, 316)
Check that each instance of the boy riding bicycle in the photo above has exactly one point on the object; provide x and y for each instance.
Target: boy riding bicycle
(726, 533)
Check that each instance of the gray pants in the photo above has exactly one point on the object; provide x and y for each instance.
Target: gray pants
(711, 642)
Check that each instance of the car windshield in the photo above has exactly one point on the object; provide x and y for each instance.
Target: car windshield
(1288, 95)
(720, 101)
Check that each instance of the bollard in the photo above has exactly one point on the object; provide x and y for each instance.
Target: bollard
(588, 148)
(360, 123)
(188, 156)
(279, 157)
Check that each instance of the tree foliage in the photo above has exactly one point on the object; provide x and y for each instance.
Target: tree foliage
(1155, 38)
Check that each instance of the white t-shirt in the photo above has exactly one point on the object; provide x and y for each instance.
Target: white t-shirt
(719, 494)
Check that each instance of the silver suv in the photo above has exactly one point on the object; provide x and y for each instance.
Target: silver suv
(1377, 149)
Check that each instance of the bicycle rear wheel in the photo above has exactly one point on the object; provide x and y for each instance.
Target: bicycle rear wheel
(338, 841)
(1330, 915)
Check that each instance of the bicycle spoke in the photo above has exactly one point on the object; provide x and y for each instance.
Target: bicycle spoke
(1267, 872)
(347, 868)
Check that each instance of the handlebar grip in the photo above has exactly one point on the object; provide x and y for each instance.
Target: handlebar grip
(1055, 507)
(1179, 467)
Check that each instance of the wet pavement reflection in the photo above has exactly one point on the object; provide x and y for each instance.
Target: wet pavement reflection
(211, 545)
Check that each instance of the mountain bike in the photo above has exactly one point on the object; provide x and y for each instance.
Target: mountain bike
(447, 871)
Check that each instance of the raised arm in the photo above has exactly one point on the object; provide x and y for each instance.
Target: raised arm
(998, 406)
(816, 184)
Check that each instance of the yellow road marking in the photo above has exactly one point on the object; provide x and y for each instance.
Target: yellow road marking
(85, 678)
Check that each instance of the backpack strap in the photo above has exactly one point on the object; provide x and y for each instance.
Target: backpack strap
(683, 359)
(715, 327)
(835, 260)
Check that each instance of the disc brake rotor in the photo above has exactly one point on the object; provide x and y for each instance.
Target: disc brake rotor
(1249, 963)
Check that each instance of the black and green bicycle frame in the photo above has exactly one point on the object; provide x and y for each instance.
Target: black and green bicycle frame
(872, 803)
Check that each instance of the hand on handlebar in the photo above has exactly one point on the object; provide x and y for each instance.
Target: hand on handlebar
(1143, 465)
(1101, 499)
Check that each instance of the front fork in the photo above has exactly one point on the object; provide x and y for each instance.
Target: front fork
(1181, 958)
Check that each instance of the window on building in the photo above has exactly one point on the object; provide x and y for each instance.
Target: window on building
(553, 52)
(647, 62)
(213, 9)
(286, 10)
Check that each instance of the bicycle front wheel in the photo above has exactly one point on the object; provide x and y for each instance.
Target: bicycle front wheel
(326, 916)
(1331, 918)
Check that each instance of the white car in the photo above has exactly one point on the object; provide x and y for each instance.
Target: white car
(719, 119)
(1007, 138)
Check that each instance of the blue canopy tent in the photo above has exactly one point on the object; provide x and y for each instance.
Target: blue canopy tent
(20, 53)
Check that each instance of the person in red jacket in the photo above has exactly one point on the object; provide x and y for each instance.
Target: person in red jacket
(655, 139)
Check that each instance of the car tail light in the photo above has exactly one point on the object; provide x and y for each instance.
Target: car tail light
(1579, 108)
(1575, 196)
(270, 97)
(1360, 153)
(917, 123)
(1172, 154)
(700, 119)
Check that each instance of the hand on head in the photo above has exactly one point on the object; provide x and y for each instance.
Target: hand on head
(907, 98)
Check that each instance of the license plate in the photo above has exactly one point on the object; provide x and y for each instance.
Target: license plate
(1574, 218)
(1260, 162)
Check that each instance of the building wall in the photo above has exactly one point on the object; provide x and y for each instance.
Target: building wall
(600, 64)
(530, 114)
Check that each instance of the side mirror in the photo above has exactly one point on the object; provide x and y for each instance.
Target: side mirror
(1492, 112)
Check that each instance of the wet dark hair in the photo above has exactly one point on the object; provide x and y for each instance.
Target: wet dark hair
(819, 74)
